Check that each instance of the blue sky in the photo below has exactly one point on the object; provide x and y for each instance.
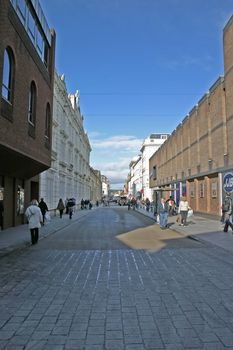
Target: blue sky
(140, 67)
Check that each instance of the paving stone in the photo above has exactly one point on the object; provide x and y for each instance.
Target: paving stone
(114, 344)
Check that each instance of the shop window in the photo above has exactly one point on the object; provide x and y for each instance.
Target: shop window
(8, 72)
(20, 201)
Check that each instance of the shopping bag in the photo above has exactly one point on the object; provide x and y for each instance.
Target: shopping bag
(47, 216)
(190, 213)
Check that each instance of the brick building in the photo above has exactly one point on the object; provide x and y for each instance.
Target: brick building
(27, 48)
(197, 159)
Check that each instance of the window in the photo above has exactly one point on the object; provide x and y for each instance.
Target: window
(192, 190)
(31, 26)
(32, 104)
(154, 172)
(47, 122)
(7, 76)
(202, 190)
(21, 10)
(35, 25)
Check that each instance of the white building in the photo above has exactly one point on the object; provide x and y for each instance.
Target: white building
(135, 177)
(138, 181)
(105, 186)
(69, 175)
(150, 145)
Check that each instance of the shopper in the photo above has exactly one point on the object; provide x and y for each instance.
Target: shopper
(35, 218)
(183, 210)
(61, 207)
(43, 207)
(163, 213)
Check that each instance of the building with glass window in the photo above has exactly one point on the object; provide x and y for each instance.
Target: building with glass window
(197, 159)
(27, 49)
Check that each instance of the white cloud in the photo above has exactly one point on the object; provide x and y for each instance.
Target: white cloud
(112, 155)
(123, 142)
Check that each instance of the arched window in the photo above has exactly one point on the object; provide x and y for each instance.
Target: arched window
(32, 104)
(8, 70)
(47, 122)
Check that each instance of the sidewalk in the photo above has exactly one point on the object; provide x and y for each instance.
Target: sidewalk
(19, 237)
(202, 229)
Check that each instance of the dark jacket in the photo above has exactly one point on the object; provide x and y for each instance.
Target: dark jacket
(162, 209)
(43, 207)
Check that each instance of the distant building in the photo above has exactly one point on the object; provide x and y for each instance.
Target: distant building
(95, 185)
(150, 145)
(105, 186)
(135, 178)
(138, 178)
(69, 175)
(27, 48)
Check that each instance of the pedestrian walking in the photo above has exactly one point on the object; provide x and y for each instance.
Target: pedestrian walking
(61, 207)
(147, 204)
(183, 211)
(35, 218)
(228, 222)
(71, 204)
(228, 215)
(163, 213)
(43, 207)
(226, 207)
(171, 206)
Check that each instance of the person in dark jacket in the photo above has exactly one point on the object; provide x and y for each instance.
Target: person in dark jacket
(43, 207)
(71, 205)
(61, 207)
(163, 213)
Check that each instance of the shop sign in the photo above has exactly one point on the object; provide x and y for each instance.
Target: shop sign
(228, 182)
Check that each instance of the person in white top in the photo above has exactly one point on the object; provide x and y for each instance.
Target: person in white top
(35, 218)
(183, 210)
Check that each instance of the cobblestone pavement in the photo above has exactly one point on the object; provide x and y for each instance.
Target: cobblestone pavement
(178, 297)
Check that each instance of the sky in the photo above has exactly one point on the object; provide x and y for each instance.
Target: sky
(140, 67)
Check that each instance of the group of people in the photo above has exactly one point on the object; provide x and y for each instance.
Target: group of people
(86, 204)
(36, 214)
(167, 207)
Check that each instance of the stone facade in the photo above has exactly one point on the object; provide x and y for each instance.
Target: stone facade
(197, 159)
(69, 175)
(95, 185)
